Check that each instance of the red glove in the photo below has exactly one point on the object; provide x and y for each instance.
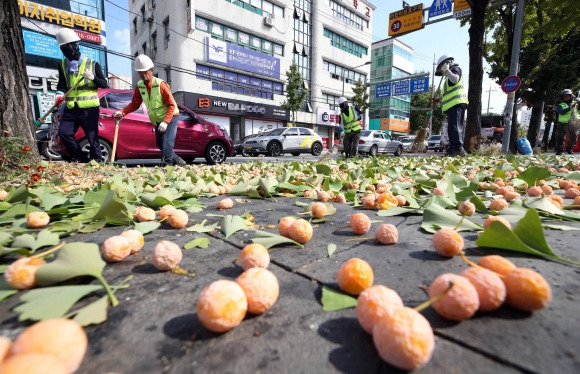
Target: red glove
(59, 100)
(434, 100)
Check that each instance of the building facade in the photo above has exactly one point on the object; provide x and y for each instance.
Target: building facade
(391, 59)
(40, 21)
(227, 59)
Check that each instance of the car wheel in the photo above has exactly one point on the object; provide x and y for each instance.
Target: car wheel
(105, 149)
(274, 149)
(398, 151)
(316, 149)
(245, 153)
(373, 151)
(215, 153)
(47, 153)
(295, 154)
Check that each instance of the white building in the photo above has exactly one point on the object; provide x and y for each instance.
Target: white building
(227, 59)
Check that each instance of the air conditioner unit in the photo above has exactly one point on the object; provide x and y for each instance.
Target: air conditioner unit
(269, 21)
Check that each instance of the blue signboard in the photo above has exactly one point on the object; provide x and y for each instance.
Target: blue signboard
(47, 46)
(511, 84)
(242, 58)
(400, 88)
(383, 90)
(419, 85)
(439, 7)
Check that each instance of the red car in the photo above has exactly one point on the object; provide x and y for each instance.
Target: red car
(195, 137)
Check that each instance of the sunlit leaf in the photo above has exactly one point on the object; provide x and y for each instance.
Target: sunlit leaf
(114, 211)
(560, 227)
(51, 302)
(197, 243)
(231, 224)
(333, 300)
(533, 174)
(93, 226)
(398, 211)
(147, 227)
(269, 240)
(44, 238)
(94, 313)
(49, 200)
(543, 204)
(201, 227)
(331, 248)
(435, 217)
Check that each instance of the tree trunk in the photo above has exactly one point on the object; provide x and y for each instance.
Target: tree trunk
(16, 118)
(535, 123)
(476, 34)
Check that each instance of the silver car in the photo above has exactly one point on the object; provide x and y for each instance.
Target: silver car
(293, 140)
(374, 142)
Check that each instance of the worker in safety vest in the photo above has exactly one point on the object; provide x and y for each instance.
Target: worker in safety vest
(82, 103)
(350, 121)
(563, 126)
(161, 108)
(453, 103)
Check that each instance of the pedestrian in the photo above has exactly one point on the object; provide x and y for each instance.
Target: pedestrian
(82, 103)
(350, 120)
(161, 108)
(564, 125)
(453, 103)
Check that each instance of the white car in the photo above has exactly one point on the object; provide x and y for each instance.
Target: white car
(374, 142)
(408, 143)
(293, 140)
(434, 143)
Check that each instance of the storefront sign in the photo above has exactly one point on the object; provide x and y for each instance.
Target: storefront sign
(213, 104)
(43, 84)
(46, 46)
(395, 125)
(245, 59)
(57, 16)
(328, 117)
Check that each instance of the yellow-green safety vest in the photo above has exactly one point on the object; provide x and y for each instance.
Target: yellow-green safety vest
(349, 122)
(155, 105)
(453, 95)
(86, 94)
(565, 118)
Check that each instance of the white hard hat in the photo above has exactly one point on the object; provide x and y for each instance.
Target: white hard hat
(341, 100)
(567, 91)
(65, 36)
(143, 63)
(440, 63)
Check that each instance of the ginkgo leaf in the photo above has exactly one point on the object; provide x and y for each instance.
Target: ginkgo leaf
(94, 313)
(147, 226)
(201, 227)
(231, 224)
(331, 248)
(435, 217)
(269, 240)
(197, 243)
(51, 302)
(333, 300)
(44, 238)
(93, 226)
(74, 260)
(534, 174)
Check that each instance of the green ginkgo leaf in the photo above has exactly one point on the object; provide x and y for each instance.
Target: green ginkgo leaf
(533, 174)
(94, 313)
(114, 211)
(333, 300)
(51, 302)
(435, 217)
(93, 226)
(201, 227)
(197, 243)
(543, 204)
(269, 240)
(75, 260)
(147, 226)
(331, 248)
(231, 224)
(44, 238)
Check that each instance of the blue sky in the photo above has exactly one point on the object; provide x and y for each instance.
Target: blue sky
(445, 37)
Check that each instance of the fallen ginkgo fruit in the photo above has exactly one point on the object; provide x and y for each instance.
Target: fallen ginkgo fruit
(166, 255)
(222, 306)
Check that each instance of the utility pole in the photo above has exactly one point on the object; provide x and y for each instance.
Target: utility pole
(507, 115)
(432, 95)
(489, 97)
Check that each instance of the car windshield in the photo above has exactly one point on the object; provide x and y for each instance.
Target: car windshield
(365, 133)
(435, 137)
(276, 132)
(407, 140)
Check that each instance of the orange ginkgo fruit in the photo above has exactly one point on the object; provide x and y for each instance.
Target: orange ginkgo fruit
(355, 276)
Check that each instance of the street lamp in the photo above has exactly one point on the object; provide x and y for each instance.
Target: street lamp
(366, 63)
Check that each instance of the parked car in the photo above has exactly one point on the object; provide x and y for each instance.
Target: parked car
(293, 140)
(434, 143)
(239, 146)
(408, 143)
(196, 137)
(43, 142)
(374, 142)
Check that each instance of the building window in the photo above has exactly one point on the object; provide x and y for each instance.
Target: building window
(144, 46)
(153, 3)
(229, 81)
(154, 42)
(135, 25)
(143, 13)
(168, 76)
(345, 44)
(166, 32)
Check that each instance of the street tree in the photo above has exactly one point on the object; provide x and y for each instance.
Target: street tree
(549, 54)
(360, 97)
(16, 119)
(295, 92)
(420, 108)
